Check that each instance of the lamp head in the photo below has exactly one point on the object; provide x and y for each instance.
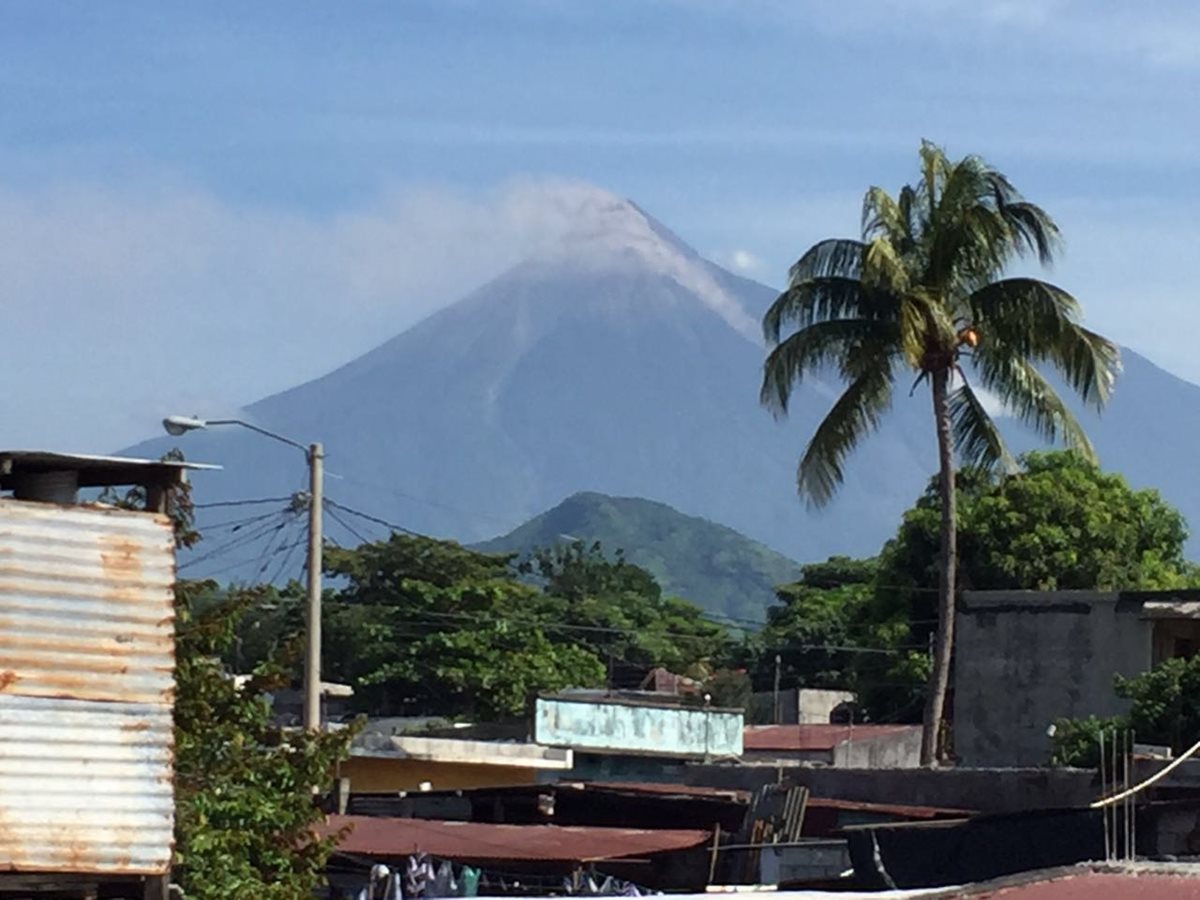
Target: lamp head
(177, 425)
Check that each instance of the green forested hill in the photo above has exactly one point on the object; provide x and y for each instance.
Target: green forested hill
(715, 567)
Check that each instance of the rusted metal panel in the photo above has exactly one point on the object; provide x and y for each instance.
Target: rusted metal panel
(482, 842)
(86, 689)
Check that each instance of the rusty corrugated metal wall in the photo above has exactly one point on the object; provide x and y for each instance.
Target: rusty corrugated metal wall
(86, 689)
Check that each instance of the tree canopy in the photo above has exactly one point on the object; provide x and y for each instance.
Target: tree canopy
(618, 611)
(426, 627)
(815, 623)
(1058, 523)
(244, 786)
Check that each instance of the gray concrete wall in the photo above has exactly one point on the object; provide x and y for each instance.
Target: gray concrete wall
(1025, 658)
(887, 751)
(981, 790)
(814, 706)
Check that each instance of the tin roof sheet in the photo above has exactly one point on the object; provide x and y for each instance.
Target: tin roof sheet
(1097, 886)
(477, 841)
(813, 737)
(86, 687)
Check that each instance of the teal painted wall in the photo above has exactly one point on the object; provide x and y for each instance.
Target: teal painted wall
(615, 726)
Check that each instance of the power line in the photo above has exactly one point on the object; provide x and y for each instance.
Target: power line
(239, 541)
(225, 503)
(286, 560)
(331, 510)
(239, 563)
(269, 552)
(376, 519)
(238, 524)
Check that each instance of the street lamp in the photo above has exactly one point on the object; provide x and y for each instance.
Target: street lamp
(315, 456)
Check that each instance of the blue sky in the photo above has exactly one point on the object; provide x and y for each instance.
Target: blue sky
(202, 203)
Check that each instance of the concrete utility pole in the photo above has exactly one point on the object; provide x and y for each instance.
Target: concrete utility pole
(315, 456)
(312, 617)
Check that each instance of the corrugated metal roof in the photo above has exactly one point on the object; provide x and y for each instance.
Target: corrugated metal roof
(1098, 886)
(477, 841)
(813, 737)
(86, 687)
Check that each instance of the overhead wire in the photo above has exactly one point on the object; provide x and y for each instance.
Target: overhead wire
(374, 519)
(332, 512)
(238, 524)
(219, 504)
(241, 540)
(286, 560)
(274, 545)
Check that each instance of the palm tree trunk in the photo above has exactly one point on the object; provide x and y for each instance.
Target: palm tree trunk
(939, 678)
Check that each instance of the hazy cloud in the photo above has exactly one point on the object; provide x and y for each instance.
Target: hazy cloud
(743, 262)
(121, 304)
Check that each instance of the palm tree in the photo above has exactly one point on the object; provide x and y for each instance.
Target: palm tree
(923, 289)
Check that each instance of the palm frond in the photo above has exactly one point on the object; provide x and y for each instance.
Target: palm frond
(1089, 362)
(934, 171)
(837, 342)
(884, 267)
(1027, 394)
(980, 222)
(1040, 321)
(818, 300)
(832, 258)
(855, 414)
(1035, 231)
(886, 218)
(1024, 313)
(976, 437)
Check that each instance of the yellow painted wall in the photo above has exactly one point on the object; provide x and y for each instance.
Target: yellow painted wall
(378, 776)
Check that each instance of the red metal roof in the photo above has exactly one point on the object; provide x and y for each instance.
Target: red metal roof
(470, 841)
(812, 737)
(1101, 886)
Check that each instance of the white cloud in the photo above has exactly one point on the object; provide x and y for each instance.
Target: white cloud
(122, 304)
(744, 262)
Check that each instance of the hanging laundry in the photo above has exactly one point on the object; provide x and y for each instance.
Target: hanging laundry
(416, 876)
(468, 882)
(442, 883)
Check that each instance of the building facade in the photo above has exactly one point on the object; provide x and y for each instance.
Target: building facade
(1024, 659)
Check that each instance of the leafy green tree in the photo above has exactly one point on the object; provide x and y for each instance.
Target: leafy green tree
(920, 290)
(1076, 742)
(1058, 523)
(244, 787)
(617, 610)
(1164, 709)
(1165, 703)
(815, 622)
(424, 626)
